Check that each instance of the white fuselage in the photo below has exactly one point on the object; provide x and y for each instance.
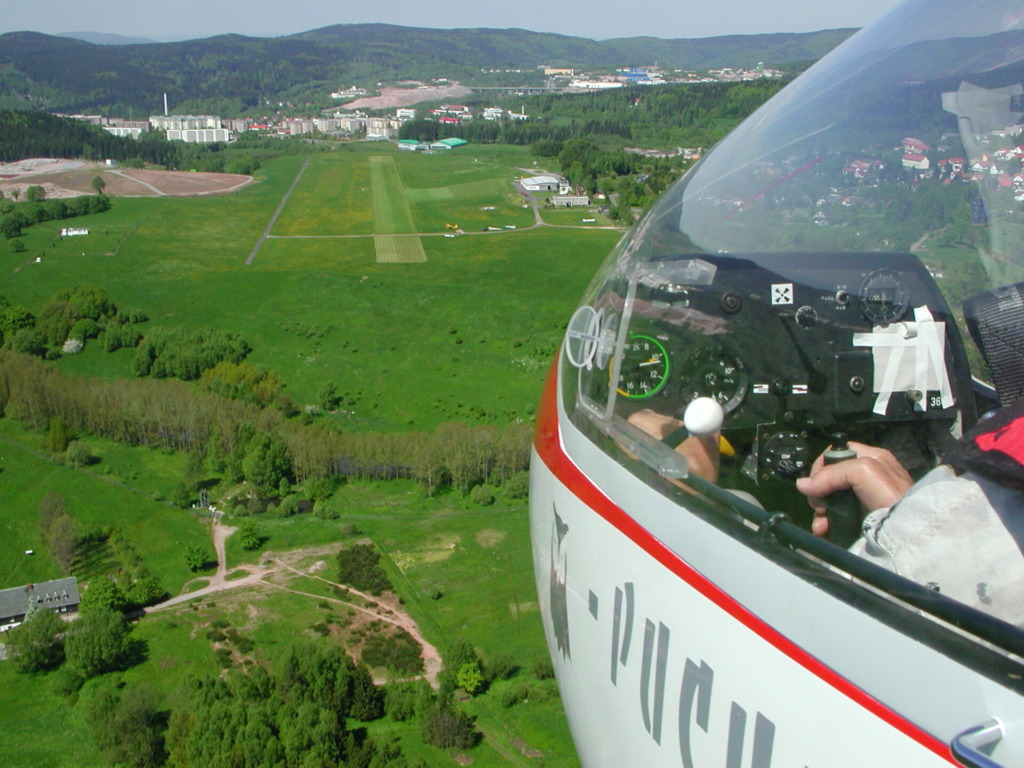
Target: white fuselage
(675, 645)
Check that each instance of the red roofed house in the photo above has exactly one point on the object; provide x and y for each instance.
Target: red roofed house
(918, 162)
(914, 146)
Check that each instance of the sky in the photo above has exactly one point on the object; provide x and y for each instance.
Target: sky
(592, 19)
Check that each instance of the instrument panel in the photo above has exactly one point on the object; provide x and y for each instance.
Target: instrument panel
(793, 347)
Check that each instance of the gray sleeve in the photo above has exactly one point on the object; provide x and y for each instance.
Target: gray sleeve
(959, 535)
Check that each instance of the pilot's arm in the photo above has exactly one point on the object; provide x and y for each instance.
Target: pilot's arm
(875, 476)
(702, 453)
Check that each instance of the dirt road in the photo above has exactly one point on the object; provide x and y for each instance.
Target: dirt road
(262, 576)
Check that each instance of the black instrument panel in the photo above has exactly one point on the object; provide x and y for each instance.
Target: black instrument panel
(795, 347)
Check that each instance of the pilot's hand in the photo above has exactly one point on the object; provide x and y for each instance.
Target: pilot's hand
(702, 453)
(875, 476)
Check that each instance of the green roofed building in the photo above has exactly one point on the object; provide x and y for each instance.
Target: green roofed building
(448, 143)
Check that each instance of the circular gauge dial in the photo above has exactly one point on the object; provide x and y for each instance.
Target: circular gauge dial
(713, 372)
(884, 297)
(643, 369)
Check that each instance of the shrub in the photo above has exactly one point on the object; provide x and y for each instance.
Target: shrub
(446, 727)
(67, 681)
(482, 495)
(469, 678)
(72, 346)
(544, 669)
(120, 337)
(250, 536)
(198, 558)
(513, 695)
(398, 651)
(502, 668)
(359, 566)
(518, 486)
(325, 511)
(85, 328)
(288, 506)
(78, 454)
(319, 488)
(400, 701)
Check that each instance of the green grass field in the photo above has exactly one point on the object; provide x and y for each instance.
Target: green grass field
(355, 285)
(411, 343)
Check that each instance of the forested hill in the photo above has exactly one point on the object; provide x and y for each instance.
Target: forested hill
(230, 73)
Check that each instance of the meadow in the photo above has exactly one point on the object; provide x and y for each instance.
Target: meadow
(465, 334)
(357, 285)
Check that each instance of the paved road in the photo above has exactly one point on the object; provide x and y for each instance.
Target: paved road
(277, 213)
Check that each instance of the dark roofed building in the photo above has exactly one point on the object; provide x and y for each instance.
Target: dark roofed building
(60, 595)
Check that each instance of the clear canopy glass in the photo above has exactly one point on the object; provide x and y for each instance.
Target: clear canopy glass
(846, 261)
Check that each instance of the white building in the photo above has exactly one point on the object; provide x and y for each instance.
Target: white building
(382, 127)
(540, 183)
(183, 122)
(595, 85)
(349, 93)
(405, 113)
(124, 131)
(297, 127)
(352, 123)
(570, 201)
(199, 135)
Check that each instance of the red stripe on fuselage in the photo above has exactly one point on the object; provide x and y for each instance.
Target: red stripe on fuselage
(548, 444)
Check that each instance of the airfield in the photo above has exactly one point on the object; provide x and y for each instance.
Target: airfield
(335, 267)
(429, 290)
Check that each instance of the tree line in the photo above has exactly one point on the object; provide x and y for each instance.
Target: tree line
(16, 218)
(248, 441)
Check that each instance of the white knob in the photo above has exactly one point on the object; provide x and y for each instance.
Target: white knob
(703, 416)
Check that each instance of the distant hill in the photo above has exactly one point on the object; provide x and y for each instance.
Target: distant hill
(230, 73)
(106, 38)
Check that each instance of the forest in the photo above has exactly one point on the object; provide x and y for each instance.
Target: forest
(233, 74)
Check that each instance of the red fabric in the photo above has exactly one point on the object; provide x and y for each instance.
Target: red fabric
(1008, 440)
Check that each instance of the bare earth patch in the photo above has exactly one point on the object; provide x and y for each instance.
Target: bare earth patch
(72, 178)
(278, 571)
(517, 608)
(441, 548)
(489, 538)
(403, 97)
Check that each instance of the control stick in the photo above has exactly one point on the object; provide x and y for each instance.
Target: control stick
(703, 417)
(844, 509)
